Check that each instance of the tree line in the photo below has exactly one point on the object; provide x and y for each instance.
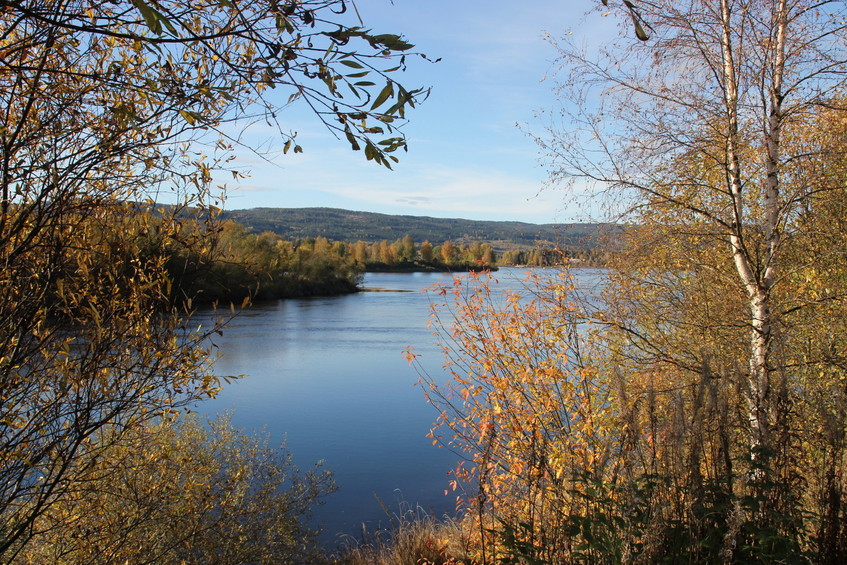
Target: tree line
(405, 254)
(239, 264)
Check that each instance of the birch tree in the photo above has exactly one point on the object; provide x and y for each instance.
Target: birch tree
(699, 122)
(704, 418)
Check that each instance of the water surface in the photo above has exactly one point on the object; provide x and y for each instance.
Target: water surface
(327, 376)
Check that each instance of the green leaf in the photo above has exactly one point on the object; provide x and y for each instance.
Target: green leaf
(352, 64)
(154, 18)
(284, 25)
(188, 117)
(639, 31)
(330, 84)
(393, 42)
(393, 141)
(167, 23)
(342, 36)
(386, 92)
(149, 15)
(352, 139)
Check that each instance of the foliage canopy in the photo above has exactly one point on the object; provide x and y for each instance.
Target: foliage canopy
(106, 106)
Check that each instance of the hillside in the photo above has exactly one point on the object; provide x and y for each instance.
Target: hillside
(347, 225)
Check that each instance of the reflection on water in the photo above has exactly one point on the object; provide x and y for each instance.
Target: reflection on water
(326, 375)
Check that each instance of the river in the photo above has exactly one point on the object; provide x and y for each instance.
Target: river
(327, 377)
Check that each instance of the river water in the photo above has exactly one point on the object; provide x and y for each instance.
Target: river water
(327, 377)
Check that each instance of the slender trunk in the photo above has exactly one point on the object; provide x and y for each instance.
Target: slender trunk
(756, 410)
(760, 302)
(759, 393)
(757, 276)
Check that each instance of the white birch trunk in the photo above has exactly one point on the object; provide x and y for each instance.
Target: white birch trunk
(757, 277)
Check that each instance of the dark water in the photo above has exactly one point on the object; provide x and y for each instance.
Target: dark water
(327, 376)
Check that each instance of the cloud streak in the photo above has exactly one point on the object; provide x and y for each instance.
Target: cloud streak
(466, 156)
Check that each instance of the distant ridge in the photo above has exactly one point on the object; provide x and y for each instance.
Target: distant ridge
(347, 225)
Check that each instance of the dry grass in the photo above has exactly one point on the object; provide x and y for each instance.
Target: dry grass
(415, 538)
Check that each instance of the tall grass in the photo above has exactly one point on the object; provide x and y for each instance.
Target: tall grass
(414, 538)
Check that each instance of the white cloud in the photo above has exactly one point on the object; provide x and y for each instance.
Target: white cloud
(422, 189)
(467, 158)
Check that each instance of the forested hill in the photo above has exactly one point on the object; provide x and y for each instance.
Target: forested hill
(346, 225)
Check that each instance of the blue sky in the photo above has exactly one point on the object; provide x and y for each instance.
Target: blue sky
(467, 157)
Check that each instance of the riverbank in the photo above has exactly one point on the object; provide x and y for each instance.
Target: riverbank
(426, 267)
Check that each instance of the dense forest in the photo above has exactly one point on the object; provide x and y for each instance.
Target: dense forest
(238, 264)
(347, 225)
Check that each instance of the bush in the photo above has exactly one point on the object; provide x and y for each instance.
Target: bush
(183, 493)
